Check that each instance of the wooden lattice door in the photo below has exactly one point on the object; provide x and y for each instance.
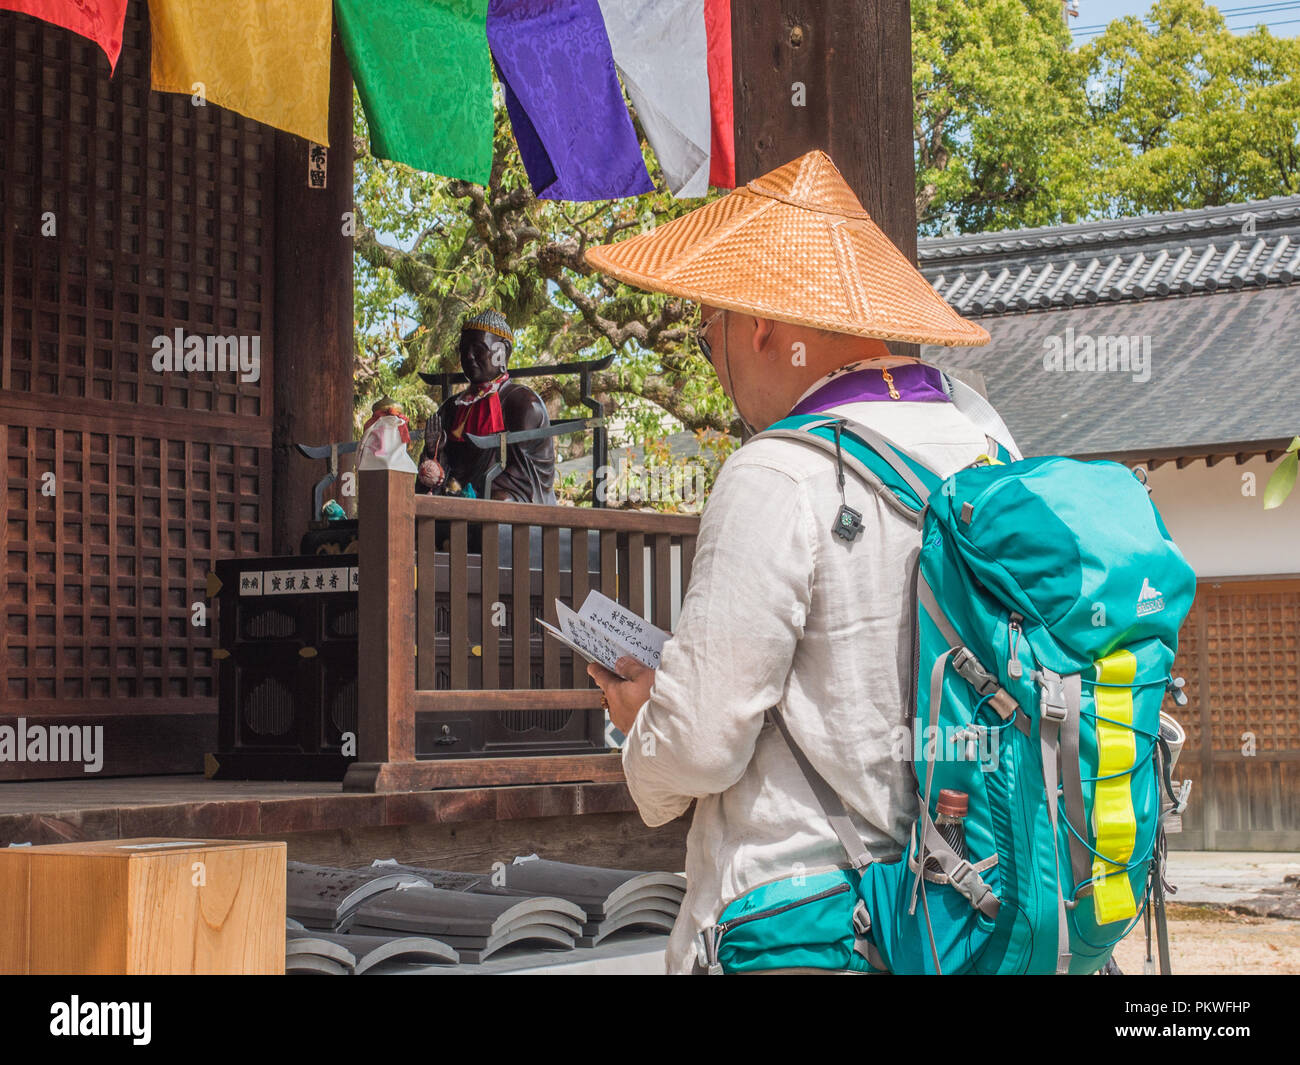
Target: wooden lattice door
(127, 215)
(1240, 654)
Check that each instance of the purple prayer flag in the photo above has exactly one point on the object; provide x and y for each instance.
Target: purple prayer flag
(565, 102)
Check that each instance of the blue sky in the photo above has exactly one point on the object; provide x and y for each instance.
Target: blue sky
(1281, 16)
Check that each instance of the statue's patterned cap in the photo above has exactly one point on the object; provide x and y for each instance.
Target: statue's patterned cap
(490, 321)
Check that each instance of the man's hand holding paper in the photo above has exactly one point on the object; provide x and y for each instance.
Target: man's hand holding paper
(626, 691)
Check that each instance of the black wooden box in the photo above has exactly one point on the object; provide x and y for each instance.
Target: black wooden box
(287, 676)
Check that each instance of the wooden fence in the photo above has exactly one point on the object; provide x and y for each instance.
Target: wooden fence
(408, 542)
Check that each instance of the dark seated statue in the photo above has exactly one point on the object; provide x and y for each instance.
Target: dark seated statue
(451, 463)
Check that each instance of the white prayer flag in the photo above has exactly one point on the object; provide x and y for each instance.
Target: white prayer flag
(662, 51)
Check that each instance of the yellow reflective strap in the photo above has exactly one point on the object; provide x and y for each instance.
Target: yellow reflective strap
(989, 460)
(1114, 822)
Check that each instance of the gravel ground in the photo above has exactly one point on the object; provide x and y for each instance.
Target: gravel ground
(1203, 940)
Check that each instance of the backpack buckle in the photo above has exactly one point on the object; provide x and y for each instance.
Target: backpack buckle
(1051, 700)
(861, 919)
(969, 667)
(985, 683)
(958, 872)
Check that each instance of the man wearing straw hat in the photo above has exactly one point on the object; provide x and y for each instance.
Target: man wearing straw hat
(799, 292)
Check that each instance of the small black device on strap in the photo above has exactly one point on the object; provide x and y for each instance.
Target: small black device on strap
(848, 522)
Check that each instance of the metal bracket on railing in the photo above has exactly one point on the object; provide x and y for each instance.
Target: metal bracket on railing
(503, 440)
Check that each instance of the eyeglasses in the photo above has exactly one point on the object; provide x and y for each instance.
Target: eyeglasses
(706, 349)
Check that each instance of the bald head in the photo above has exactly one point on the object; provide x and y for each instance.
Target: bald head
(765, 365)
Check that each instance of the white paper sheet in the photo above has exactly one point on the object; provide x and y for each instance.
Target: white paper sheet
(603, 632)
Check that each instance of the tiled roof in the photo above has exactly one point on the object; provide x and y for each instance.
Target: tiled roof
(1218, 376)
(1203, 295)
(1181, 253)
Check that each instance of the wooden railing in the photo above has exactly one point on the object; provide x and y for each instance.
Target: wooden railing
(463, 641)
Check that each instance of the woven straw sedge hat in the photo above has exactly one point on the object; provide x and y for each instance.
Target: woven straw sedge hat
(796, 246)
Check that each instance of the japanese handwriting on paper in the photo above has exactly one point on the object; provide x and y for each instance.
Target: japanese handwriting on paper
(640, 639)
(589, 640)
(604, 632)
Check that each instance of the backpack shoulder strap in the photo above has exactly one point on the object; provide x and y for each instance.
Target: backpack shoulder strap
(980, 411)
(901, 480)
(832, 807)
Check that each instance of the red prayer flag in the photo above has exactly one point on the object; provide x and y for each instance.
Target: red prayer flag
(99, 20)
(722, 161)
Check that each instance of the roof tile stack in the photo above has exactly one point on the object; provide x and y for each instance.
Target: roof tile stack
(402, 918)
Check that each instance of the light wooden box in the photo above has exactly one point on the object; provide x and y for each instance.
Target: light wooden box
(136, 906)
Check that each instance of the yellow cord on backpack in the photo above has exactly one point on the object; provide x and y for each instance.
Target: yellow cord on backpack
(1114, 822)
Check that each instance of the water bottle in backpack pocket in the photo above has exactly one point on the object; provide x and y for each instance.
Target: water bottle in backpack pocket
(916, 921)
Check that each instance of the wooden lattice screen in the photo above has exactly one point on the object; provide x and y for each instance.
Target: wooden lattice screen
(1239, 652)
(127, 215)
(1253, 657)
(1240, 649)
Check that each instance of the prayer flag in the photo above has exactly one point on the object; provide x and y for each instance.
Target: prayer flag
(424, 74)
(565, 102)
(98, 20)
(661, 51)
(266, 59)
(722, 167)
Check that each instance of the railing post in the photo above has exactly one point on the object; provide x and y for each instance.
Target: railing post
(386, 617)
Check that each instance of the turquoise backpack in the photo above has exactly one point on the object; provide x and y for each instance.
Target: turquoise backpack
(1048, 601)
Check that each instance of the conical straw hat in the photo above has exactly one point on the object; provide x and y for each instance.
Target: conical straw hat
(796, 246)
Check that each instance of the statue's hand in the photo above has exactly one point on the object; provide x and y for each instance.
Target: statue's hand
(435, 435)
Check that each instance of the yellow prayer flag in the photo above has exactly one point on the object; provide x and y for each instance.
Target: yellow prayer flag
(266, 59)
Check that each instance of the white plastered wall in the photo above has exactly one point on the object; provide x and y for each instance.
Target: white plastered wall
(1216, 516)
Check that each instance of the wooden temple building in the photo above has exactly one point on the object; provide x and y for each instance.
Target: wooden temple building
(128, 214)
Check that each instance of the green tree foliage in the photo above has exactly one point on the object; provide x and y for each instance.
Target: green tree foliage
(431, 250)
(1282, 480)
(1195, 116)
(1013, 128)
(999, 120)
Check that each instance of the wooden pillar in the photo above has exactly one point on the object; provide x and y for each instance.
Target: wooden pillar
(853, 59)
(385, 621)
(313, 343)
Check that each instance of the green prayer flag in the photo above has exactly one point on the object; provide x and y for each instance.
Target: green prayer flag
(424, 74)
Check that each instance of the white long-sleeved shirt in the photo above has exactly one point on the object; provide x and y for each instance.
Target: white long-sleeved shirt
(781, 611)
